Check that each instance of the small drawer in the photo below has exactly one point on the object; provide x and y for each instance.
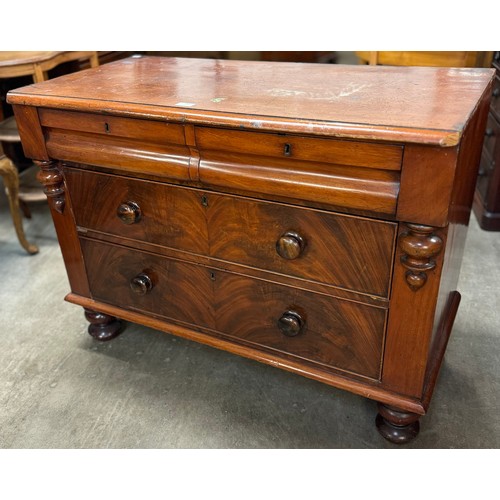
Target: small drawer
(321, 329)
(491, 135)
(148, 283)
(140, 210)
(113, 126)
(129, 144)
(313, 149)
(346, 251)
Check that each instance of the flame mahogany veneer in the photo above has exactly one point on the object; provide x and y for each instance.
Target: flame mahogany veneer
(311, 217)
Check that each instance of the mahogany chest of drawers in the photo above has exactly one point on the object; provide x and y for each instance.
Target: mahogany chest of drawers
(311, 217)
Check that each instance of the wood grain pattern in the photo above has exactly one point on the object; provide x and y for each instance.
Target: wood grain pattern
(237, 268)
(139, 130)
(70, 247)
(362, 386)
(165, 160)
(348, 252)
(358, 154)
(179, 291)
(351, 188)
(425, 192)
(427, 105)
(169, 217)
(410, 325)
(336, 333)
(240, 231)
(31, 133)
(315, 292)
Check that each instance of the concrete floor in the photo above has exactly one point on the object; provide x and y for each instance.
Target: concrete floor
(61, 389)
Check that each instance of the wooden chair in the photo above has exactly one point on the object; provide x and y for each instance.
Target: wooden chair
(37, 65)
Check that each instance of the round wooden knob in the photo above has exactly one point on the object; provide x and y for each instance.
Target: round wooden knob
(290, 245)
(141, 284)
(291, 323)
(129, 212)
(496, 92)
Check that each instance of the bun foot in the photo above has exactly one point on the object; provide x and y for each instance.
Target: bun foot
(102, 326)
(397, 426)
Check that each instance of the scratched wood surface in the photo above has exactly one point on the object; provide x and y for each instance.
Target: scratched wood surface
(426, 105)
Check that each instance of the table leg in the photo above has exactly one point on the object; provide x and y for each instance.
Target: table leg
(11, 180)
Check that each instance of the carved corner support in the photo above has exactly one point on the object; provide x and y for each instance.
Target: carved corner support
(419, 245)
(53, 184)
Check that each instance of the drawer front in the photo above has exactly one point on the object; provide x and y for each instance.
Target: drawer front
(317, 328)
(129, 144)
(148, 283)
(358, 154)
(141, 210)
(345, 251)
(113, 126)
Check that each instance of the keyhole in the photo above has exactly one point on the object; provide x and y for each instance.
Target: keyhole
(106, 128)
(204, 201)
(287, 151)
(212, 276)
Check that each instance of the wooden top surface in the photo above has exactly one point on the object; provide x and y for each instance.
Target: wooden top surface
(12, 58)
(422, 105)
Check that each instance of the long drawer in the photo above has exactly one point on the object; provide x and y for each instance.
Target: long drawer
(317, 328)
(350, 252)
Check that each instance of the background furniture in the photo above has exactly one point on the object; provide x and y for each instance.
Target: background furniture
(247, 213)
(35, 65)
(487, 196)
(427, 58)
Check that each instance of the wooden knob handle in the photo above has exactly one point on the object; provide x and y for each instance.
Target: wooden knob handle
(496, 92)
(291, 323)
(141, 284)
(489, 132)
(290, 245)
(129, 212)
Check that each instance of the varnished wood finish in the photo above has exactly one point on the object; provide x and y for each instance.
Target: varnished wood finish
(341, 186)
(30, 132)
(356, 154)
(348, 252)
(178, 290)
(335, 333)
(332, 332)
(169, 217)
(419, 245)
(362, 386)
(245, 230)
(103, 327)
(52, 180)
(325, 100)
(38, 63)
(398, 427)
(211, 224)
(410, 325)
(454, 59)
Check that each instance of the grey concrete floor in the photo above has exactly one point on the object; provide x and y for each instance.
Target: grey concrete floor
(61, 389)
